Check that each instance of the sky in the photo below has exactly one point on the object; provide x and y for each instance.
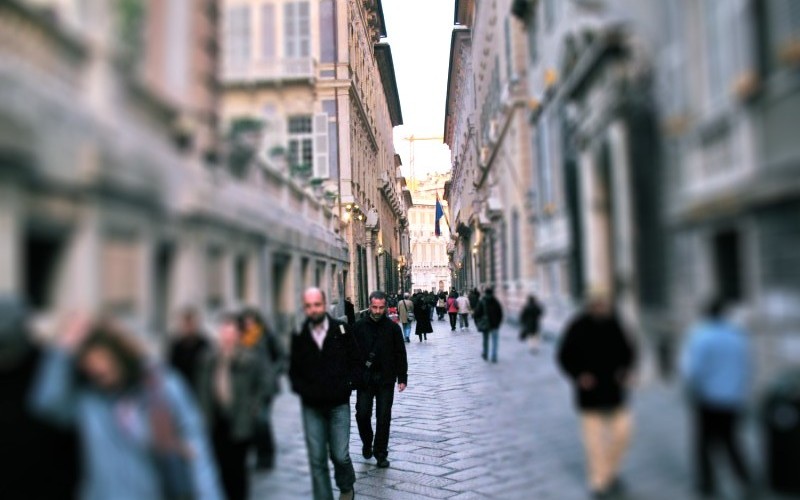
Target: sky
(419, 34)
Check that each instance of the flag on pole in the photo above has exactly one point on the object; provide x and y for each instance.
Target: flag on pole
(439, 214)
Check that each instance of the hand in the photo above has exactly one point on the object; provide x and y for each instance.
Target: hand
(401, 387)
(76, 328)
(586, 381)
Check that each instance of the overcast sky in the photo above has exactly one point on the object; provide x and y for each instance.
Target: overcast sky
(419, 34)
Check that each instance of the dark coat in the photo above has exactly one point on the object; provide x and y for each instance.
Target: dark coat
(185, 355)
(247, 392)
(325, 378)
(473, 297)
(37, 459)
(530, 318)
(602, 349)
(350, 312)
(391, 363)
(491, 307)
(423, 315)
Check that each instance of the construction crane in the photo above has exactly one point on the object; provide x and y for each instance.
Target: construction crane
(411, 140)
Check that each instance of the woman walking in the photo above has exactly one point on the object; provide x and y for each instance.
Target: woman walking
(452, 309)
(529, 322)
(422, 314)
(231, 391)
(141, 434)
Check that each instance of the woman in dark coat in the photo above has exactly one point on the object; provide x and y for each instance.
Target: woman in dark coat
(529, 322)
(423, 316)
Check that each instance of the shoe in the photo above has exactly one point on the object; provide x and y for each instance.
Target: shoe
(347, 495)
(601, 495)
(617, 486)
(483, 356)
(366, 451)
(383, 463)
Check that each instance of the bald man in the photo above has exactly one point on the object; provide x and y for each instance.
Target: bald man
(325, 364)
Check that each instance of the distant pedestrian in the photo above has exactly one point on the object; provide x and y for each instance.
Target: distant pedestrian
(141, 433)
(599, 358)
(430, 299)
(381, 344)
(441, 305)
(530, 319)
(188, 347)
(325, 367)
(717, 368)
(405, 311)
(231, 387)
(452, 309)
(422, 310)
(488, 318)
(350, 311)
(474, 297)
(462, 303)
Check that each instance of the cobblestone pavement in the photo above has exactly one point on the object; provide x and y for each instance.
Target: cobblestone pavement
(467, 429)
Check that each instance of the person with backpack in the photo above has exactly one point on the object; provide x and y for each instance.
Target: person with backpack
(488, 318)
(405, 310)
(452, 309)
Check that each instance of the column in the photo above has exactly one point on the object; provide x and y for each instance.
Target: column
(11, 241)
(371, 274)
(595, 249)
(189, 272)
(79, 286)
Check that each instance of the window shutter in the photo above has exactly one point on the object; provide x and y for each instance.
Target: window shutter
(290, 30)
(268, 52)
(321, 160)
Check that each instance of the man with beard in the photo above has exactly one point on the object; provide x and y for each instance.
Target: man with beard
(324, 365)
(383, 349)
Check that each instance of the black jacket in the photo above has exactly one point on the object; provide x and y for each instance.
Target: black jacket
(391, 363)
(324, 378)
(491, 307)
(599, 348)
(186, 354)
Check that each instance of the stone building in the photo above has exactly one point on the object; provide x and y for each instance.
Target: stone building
(431, 266)
(319, 82)
(486, 126)
(115, 193)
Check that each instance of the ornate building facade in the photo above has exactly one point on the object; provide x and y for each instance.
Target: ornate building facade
(431, 266)
(318, 79)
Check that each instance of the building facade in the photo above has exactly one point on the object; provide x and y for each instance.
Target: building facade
(675, 166)
(117, 194)
(486, 127)
(431, 264)
(320, 84)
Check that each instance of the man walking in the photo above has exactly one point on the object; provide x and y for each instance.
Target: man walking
(324, 365)
(405, 310)
(599, 358)
(384, 352)
(488, 318)
(718, 370)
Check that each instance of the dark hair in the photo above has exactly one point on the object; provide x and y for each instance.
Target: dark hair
(122, 345)
(488, 291)
(233, 318)
(253, 314)
(715, 308)
(377, 295)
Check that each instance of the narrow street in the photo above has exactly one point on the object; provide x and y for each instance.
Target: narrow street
(467, 429)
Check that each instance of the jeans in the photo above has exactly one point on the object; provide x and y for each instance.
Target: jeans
(494, 335)
(407, 331)
(327, 432)
(453, 317)
(384, 397)
(464, 320)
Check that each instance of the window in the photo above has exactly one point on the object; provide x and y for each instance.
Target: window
(549, 13)
(727, 259)
(301, 144)
(728, 48)
(176, 48)
(545, 160)
(237, 36)
(515, 246)
(120, 277)
(215, 279)
(327, 25)
(296, 29)
(782, 30)
(509, 60)
(268, 49)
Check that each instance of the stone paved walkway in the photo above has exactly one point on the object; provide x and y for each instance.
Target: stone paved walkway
(465, 429)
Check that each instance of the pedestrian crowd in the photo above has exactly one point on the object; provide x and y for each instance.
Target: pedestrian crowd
(96, 416)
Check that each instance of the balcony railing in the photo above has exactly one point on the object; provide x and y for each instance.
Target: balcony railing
(267, 71)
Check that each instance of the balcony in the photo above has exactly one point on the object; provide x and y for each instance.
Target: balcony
(277, 70)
